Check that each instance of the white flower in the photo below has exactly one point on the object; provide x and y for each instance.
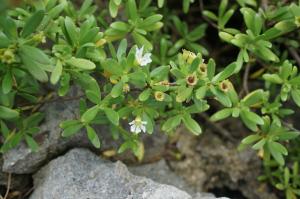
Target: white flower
(142, 60)
(137, 126)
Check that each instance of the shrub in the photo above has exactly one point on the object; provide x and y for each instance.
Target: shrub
(140, 65)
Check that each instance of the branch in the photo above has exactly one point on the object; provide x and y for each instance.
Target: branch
(294, 54)
(8, 187)
(204, 17)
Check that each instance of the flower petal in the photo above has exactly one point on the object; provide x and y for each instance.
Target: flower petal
(143, 128)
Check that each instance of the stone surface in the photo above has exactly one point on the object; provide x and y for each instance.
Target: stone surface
(215, 165)
(21, 160)
(161, 173)
(82, 174)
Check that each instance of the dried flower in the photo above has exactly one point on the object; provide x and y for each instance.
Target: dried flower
(159, 96)
(191, 79)
(225, 85)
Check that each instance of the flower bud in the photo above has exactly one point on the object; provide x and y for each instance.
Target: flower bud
(188, 56)
(7, 56)
(39, 37)
(126, 88)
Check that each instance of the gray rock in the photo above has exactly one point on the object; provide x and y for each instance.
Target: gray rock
(21, 160)
(161, 173)
(213, 164)
(81, 174)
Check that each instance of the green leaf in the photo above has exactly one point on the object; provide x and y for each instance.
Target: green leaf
(273, 78)
(249, 123)
(93, 137)
(160, 3)
(117, 90)
(296, 96)
(90, 114)
(72, 129)
(9, 27)
(142, 41)
(222, 114)
(7, 83)
(33, 23)
(122, 48)
(54, 12)
(259, 144)
(183, 93)
(226, 36)
(4, 129)
(93, 96)
(112, 115)
(191, 124)
(253, 98)
(201, 92)
(277, 150)
(81, 63)
(250, 139)
(227, 72)
(132, 10)
(36, 55)
(210, 15)
(249, 18)
(64, 84)
(186, 5)
(171, 123)
(253, 117)
(68, 123)
(145, 95)
(221, 97)
(56, 73)
(113, 8)
(195, 65)
(34, 69)
(288, 135)
(8, 113)
(222, 7)
(4, 41)
(160, 73)
(150, 21)
(265, 53)
(31, 143)
(71, 30)
(223, 20)
(197, 33)
(211, 67)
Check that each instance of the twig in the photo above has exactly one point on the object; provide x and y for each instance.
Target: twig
(246, 77)
(264, 4)
(289, 126)
(8, 187)
(219, 129)
(204, 17)
(294, 54)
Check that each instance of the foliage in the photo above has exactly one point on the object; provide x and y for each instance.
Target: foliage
(129, 58)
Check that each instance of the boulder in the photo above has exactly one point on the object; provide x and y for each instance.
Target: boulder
(82, 174)
(215, 165)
